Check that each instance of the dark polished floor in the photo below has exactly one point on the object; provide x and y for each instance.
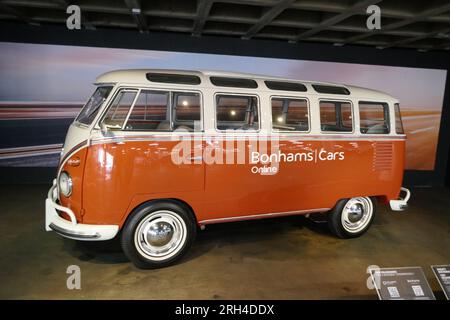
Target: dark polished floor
(283, 258)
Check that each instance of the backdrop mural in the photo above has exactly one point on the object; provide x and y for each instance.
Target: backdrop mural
(43, 87)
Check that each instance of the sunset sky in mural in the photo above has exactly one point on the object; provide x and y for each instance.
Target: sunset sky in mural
(45, 86)
(66, 73)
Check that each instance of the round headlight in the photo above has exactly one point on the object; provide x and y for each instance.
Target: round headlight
(65, 184)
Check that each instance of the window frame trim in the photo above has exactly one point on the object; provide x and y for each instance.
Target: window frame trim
(384, 104)
(258, 101)
(308, 107)
(113, 97)
(400, 118)
(139, 89)
(200, 104)
(106, 102)
(353, 117)
(169, 100)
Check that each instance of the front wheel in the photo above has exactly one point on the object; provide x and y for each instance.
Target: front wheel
(158, 234)
(350, 218)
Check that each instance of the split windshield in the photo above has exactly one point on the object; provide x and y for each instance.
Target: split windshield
(93, 105)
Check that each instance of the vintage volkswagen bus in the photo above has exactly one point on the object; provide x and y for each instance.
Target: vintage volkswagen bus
(156, 154)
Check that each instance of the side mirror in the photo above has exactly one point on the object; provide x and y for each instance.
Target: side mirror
(106, 129)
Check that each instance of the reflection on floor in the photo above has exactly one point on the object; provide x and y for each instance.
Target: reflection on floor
(283, 258)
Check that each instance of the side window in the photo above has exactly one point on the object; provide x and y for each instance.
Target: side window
(150, 112)
(186, 110)
(374, 117)
(119, 108)
(398, 120)
(290, 114)
(336, 116)
(346, 117)
(235, 112)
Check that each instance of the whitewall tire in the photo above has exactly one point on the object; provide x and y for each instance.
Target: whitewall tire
(351, 218)
(158, 234)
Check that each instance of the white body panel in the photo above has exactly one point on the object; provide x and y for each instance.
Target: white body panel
(75, 135)
(72, 229)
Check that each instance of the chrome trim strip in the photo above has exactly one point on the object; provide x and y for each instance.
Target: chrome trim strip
(262, 216)
(178, 137)
(71, 152)
(70, 234)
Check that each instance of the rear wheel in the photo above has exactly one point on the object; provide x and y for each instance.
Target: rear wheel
(158, 234)
(350, 218)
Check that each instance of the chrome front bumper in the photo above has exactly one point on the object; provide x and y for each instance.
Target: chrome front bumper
(71, 229)
(402, 203)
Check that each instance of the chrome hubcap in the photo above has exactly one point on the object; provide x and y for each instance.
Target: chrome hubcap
(160, 235)
(356, 214)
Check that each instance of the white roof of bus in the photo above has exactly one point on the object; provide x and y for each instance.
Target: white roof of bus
(138, 76)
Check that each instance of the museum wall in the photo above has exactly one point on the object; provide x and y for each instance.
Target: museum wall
(48, 73)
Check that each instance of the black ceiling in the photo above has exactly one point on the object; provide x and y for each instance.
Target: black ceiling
(416, 24)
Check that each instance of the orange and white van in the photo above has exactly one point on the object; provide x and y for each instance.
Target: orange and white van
(156, 154)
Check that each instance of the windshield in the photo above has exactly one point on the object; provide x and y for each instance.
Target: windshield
(93, 105)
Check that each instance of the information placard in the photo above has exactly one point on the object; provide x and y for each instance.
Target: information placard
(442, 273)
(404, 283)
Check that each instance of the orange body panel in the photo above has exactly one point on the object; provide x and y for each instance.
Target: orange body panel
(232, 190)
(114, 178)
